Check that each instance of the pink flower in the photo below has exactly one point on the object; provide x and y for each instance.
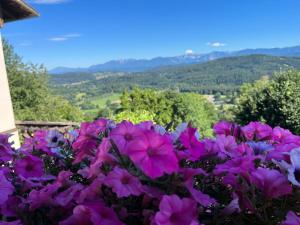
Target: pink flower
(257, 131)
(6, 188)
(227, 128)
(101, 157)
(280, 134)
(291, 219)
(17, 222)
(154, 155)
(225, 146)
(11, 206)
(92, 213)
(123, 183)
(176, 211)
(272, 183)
(37, 142)
(281, 152)
(195, 149)
(6, 150)
(124, 133)
(43, 197)
(69, 195)
(29, 167)
(87, 141)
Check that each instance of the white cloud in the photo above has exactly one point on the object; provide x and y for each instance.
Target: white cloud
(189, 52)
(48, 1)
(65, 37)
(216, 44)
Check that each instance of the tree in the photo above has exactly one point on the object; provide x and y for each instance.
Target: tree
(171, 107)
(31, 97)
(276, 102)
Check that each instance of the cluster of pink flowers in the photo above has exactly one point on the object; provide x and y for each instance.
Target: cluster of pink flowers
(114, 174)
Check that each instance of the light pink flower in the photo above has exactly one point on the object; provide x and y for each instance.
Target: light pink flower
(176, 211)
(154, 155)
(123, 183)
(124, 133)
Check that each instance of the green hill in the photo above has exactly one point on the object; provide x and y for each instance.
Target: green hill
(221, 75)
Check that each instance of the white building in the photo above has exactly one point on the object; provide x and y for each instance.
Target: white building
(10, 10)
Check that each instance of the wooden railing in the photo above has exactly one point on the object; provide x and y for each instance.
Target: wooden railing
(27, 128)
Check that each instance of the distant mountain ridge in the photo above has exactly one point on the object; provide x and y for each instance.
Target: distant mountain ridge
(140, 65)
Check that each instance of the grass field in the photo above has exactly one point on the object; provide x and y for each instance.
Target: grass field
(100, 101)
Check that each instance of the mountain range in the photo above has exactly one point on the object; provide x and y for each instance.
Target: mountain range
(140, 65)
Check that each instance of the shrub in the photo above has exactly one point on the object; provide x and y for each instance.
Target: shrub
(108, 173)
(276, 102)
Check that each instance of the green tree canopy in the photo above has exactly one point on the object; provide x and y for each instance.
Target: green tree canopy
(276, 101)
(31, 97)
(171, 107)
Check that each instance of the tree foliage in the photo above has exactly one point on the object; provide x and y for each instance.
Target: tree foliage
(275, 101)
(171, 107)
(31, 97)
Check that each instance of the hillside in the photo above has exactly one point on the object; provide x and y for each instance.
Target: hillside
(221, 75)
(140, 65)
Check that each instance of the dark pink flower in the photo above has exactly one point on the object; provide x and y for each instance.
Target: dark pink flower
(176, 211)
(43, 197)
(6, 188)
(37, 142)
(291, 219)
(123, 183)
(272, 183)
(11, 206)
(281, 152)
(124, 133)
(257, 131)
(92, 213)
(6, 151)
(154, 155)
(101, 157)
(280, 134)
(69, 195)
(30, 166)
(194, 148)
(87, 141)
(227, 128)
(93, 191)
(17, 222)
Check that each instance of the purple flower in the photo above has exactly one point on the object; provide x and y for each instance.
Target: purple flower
(92, 213)
(176, 211)
(17, 222)
(227, 128)
(260, 147)
(67, 196)
(272, 183)
(6, 188)
(291, 219)
(195, 148)
(257, 131)
(29, 167)
(124, 133)
(154, 155)
(123, 183)
(54, 139)
(37, 142)
(6, 150)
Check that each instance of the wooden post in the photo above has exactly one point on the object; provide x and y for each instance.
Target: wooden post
(7, 121)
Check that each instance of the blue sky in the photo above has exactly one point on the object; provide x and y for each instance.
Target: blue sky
(80, 33)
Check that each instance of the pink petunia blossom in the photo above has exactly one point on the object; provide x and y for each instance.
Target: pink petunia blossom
(102, 156)
(6, 188)
(225, 146)
(291, 219)
(87, 141)
(227, 128)
(30, 166)
(92, 213)
(124, 133)
(17, 222)
(257, 131)
(37, 142)
(69, 195)
(154, 155)
(176, 211)
(194, 148)
(272, 183)
(123, 183)
(281, 152)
